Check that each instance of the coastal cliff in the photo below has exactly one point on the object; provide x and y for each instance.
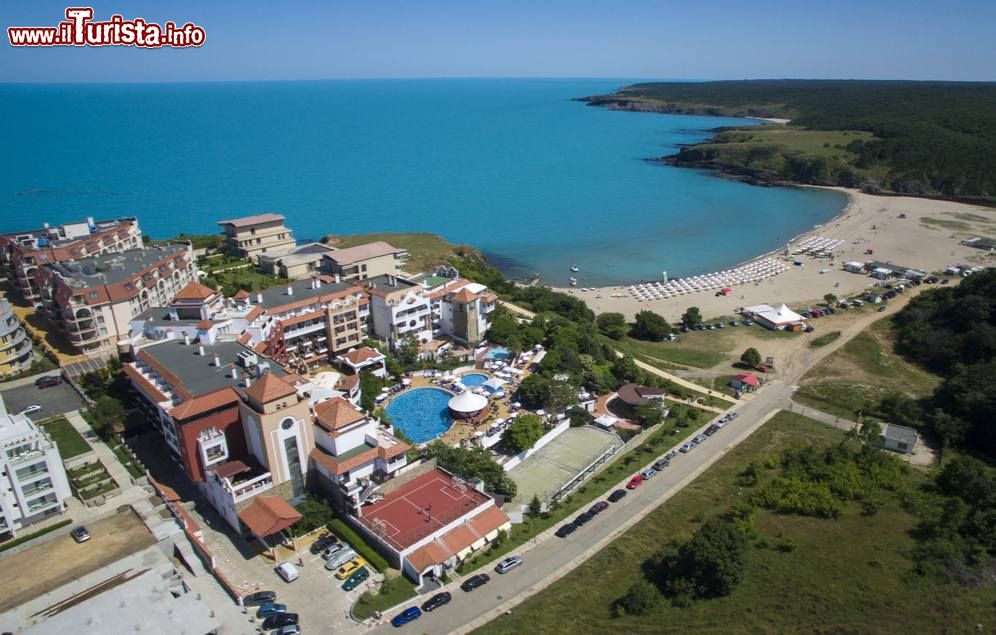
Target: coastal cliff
(917, 138)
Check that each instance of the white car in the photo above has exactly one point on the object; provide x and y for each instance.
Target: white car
(33, 408)
(287, 571)
(508, 564)
(339, 559)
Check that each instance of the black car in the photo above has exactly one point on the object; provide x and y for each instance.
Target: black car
(617, 495)
(475, 581)
(566, 530)
(711, 430)
(48, 381)
(661, 464)
(439, 599)
(259, 598)
(278, 620)
(322, 544)
(583, 518)
(599, 507)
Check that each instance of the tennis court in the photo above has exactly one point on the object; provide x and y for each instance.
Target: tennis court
(560, 461)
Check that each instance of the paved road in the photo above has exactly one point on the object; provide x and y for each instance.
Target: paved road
(548, 558)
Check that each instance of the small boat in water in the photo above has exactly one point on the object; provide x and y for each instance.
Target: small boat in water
(574, 268)
(574, 281)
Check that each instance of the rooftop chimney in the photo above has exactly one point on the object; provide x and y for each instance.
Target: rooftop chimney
(318, 283)
(216, 359)
(234, 374)
(186, 339)
(337, 279)
(200, 349)
(290, 290)
(246, 381)
(259, 298)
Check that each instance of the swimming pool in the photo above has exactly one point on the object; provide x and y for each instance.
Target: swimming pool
(473, 379)
(499, 353)
(422, 414)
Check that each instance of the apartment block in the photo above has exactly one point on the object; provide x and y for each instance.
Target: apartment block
(22, 253)
(355, 264)
(15, 345)
(252, 236)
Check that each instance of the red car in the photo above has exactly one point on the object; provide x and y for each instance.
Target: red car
(634, 482)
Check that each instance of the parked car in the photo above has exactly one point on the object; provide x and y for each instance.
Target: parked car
(509, 563)
(660, 464)
(258, 598)
(711, 430)
(582, 519)
(599, 507)
(271, 608)
(687, 447)
(290, 629)
(287, 571)
(699, 439)
(330, 552)
(475, 581)
(436, 601)
(80, 534)
(356, 579)
(280, 620)
(748, 322)
(340, 558)
(566, 530)
(48, 381)
(349, 568)
(410, 614)
(634, 482)
(323, 543)
(33, 408)
(617, 496)
(734, 323)
(648, 473)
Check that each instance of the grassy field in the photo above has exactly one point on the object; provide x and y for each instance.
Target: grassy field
(860, 373)
(851, 575)
(392, 592)
(698, 349)
(823, 340)
(68, 440)
(425, 251)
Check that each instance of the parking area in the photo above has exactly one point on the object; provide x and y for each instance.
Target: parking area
(28, 574)
(54, 401)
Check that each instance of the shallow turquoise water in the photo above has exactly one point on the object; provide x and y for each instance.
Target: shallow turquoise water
(422, 414)
(473, 379)
(511, 166)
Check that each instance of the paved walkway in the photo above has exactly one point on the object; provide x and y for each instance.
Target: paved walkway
(823, 417)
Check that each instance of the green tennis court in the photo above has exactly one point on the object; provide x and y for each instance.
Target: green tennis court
(560, 461)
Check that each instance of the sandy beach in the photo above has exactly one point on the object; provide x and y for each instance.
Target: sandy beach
(913, 232)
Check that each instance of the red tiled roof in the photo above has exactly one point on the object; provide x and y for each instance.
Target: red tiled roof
(241, 295)
(204, 403)
(359, 355)
(337, 466)
(428, 555)
(464, 296)
(348, 382)
(458, 539)
(747, 378)
(336, 413)
(268, 388)
(195, 291)
(267, 515)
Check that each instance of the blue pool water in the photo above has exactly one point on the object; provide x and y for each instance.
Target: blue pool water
(511, 166)
(473, 379)
(422, 414)
(499, 353)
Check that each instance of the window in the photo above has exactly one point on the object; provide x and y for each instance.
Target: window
(287, 423)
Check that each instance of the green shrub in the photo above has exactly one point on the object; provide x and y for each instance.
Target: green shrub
(361, 546)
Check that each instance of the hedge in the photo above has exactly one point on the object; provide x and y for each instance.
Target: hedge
(360, 545)
(10, 544)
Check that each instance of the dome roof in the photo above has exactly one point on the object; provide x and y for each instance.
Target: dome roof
(468, 402)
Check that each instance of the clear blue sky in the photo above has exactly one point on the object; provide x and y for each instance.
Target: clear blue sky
(716, 39)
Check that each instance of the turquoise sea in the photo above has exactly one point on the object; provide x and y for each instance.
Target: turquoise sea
(514, 167)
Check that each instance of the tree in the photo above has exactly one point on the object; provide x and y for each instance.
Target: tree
(640, 598)
(692, 316)
(579, 416)
(830, 299)
(535, 507)
(626, 370)
(612, 325)
(316, 512)
(534, 391)
(711, 564)
(751, 357)
(524, 432)
(408, 351)
(650, 326)
(650, 413)
(107, 415)
(370, 387)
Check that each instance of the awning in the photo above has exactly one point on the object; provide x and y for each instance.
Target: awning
(267, 515)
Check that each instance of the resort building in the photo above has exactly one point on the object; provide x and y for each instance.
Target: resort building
(233, 422)
(93, 300)
(308, 322)
(251, 236)
(399, 308)
(353, 453)
(780, 319)
(303, 262)
(15, 345)
(431, 523)
(21, 253)
(363, 262)
(364, 358)
(34, 483)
